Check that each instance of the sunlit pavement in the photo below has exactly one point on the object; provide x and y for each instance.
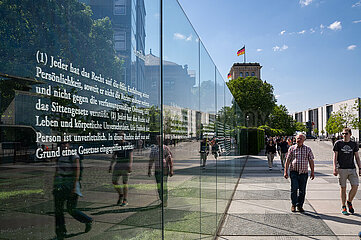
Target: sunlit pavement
(261, 205)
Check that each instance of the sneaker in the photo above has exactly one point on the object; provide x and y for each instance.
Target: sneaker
(120, 199)
(270, 169)
(88, 226)
(293, 208)
(300, 209)
(124, 203)
(344, 210)
(350, 208)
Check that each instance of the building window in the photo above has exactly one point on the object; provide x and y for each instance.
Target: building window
(119, 40)
(119, 7)
(252, 74)
(241, 74)
(247, 74)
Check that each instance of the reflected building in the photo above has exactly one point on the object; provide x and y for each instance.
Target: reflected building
(178, 82)
(128, 22)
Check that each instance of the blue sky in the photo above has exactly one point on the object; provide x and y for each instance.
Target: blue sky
(310, 50)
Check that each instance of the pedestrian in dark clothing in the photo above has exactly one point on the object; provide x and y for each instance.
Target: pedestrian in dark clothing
(283, 149)
(270, 151)
(67, 189)
(345, 154)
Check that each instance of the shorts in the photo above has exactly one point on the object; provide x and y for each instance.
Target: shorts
(350, 174)
(118, 173)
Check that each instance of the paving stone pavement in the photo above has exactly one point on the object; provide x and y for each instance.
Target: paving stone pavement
(260, 208)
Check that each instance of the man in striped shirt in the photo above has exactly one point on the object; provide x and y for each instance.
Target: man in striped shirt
(298, 158)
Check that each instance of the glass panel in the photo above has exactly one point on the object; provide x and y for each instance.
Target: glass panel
(208, 121)
(180, 118)
(74, 105)
(219, 148)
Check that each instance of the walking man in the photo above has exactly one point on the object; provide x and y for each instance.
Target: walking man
(204, 150)
(123, 167)
(284, 149)
(298, 158)
(67, 190)
(163, 169)
(345, 151)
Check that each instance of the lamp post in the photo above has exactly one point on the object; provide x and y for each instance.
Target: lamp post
(247, 120)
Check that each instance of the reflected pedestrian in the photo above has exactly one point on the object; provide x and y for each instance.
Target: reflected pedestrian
(67, 189)
(204, 151)
(123, 167)
(345, 153)
(298, 158)
(161, 174)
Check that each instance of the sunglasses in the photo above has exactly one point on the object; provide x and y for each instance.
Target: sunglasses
(344, 133)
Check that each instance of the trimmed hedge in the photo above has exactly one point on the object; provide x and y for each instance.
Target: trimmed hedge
(255, 141)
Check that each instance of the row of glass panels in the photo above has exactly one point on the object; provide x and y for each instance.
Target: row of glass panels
(86, 106)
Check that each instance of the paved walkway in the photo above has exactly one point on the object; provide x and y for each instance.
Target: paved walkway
(261, 205)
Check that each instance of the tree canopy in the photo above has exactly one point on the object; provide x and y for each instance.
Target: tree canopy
(254, 97)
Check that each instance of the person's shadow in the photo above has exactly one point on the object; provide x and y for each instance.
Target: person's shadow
(124, 210)
(334, 218)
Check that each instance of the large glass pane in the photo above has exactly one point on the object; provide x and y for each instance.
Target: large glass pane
(78, 119)
(207, 135)
(219, 149)
(180, 123)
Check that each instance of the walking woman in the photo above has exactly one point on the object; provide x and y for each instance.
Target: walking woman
(271, 152)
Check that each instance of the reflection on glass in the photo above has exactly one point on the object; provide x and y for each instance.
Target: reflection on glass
(81, 100)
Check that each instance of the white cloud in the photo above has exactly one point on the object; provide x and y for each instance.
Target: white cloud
(357, 21)
(305, 2)
(322, 26)
(277, 96)
(280, 49)
(357, 4)
(335, 26)
(259, 50)
(283, 32)
(302, 32)
(312, 30)
(351, 47)
(179, 36)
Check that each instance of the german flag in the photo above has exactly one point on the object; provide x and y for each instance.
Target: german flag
(241, 51)
(229, 75)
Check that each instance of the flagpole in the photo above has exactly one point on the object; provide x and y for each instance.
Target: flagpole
(244, 58)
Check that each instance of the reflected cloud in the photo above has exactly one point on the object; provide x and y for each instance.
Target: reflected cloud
(179, 36)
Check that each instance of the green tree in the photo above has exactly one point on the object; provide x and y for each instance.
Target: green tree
(254, 97)
(335, 124)
(315, 131)
(346, 116)
(300, 127)
(280, 119)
